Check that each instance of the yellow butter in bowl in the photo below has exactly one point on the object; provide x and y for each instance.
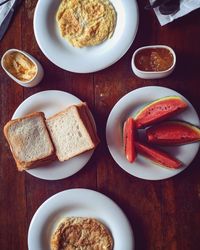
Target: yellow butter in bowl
(20, 66)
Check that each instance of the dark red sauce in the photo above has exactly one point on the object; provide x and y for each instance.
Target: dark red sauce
(154, 59)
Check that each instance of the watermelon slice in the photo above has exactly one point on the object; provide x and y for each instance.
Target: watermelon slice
(157, 156)
(129, 138)
(172, 133)
(159, 110)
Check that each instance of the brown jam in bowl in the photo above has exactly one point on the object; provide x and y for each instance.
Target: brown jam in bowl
(154, 59)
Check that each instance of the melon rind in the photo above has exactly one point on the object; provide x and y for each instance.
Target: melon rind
(139, 123)
(172, 141)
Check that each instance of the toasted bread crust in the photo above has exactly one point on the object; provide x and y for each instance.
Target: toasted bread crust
(23, 165)
(87, 119)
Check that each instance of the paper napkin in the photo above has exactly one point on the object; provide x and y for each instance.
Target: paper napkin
(186, 6)
(4, 9)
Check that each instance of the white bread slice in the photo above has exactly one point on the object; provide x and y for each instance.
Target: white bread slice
(72, 131)
(29, 140)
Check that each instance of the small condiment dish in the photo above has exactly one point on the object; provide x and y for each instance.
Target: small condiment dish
(150, 74)
(39, 72)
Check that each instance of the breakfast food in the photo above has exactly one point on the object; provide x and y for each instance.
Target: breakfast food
(72, 131)
(154, 59)
(157, 156)
(32, 138)
(172, 133)
(86, 22)
(20, 66)
(159, 110)
(129, 139)
(81, 234)
(169, 133)
(29, 140)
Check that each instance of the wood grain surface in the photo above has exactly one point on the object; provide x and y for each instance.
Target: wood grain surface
(163, 214)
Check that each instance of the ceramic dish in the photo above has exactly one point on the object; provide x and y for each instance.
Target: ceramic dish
(51, 102)
(39, 70)
(62, 54)
(127, 106)
(153, 74)
(77, 202)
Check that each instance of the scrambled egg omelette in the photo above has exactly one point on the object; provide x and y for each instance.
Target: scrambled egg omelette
(86, 22)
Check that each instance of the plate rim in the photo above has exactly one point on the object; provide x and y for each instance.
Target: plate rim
(31, 171)
(107, 136)
(75, 191)
(77, 70)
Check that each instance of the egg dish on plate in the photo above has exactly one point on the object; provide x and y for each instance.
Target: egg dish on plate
(86, 23)
(79, 233)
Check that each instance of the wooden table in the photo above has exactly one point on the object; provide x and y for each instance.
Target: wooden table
(163, 214)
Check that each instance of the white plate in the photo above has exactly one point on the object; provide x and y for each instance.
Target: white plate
(51, 102)
(89, 59)
(79, 203)
(127, 106)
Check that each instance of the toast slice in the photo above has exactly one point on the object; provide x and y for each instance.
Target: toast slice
(72, 131)
(29, 140)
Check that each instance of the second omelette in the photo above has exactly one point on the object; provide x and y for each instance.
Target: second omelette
(86, 22)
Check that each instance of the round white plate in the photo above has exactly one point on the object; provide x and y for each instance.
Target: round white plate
(89, 59)
(51, 102)
(79, 203)
(127, 106)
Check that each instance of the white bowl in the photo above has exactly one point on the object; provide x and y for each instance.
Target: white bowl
(39, 70)
(153, 74)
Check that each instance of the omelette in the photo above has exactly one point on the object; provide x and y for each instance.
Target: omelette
(86, 23)
(78, 233)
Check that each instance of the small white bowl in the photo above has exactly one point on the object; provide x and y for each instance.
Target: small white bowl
(39, 70)
(153, 74)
